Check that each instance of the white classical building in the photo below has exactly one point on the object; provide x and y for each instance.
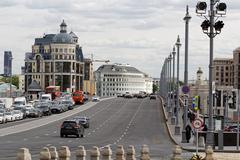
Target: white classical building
(112, 79)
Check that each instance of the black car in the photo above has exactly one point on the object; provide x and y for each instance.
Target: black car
(45, 109)
(152, 96)
(71, 127)
(83, 120)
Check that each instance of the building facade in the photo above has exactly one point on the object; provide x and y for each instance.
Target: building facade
(223, 71)
(236, 63)
(56, 60)
(113, 79)
(89, 85)
(7, 63)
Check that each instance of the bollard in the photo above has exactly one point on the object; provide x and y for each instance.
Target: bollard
(81, 153)
(145, 153)
(201, 141)
(120, 153)
(131, 153)
(95, 153)
(64, 153)
(45, 154)
(23, 154)
(107, 153)
(53, 153)
(209, 153)
(177, 153)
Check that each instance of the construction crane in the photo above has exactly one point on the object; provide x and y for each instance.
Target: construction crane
(99, 60)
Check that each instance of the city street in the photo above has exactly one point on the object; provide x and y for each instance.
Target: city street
(112, 122)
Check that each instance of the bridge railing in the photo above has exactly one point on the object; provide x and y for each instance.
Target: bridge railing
(63, 153)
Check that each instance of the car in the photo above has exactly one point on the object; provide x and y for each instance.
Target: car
(83, 120)
(69, 104)
(71, 127)
(85, 97)
(44, 108)
(17, 115)
(22, 109)
(95, 99)
(56, 107)
(128, 95)
(34, 113)
(2, 118)
(152, 96)
(9, 116)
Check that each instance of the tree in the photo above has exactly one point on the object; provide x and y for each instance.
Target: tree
(155, 88)
(15, 80)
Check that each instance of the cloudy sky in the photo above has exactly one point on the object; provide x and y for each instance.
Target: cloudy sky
(136, 32)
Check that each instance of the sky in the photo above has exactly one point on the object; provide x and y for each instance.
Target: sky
(141, 33)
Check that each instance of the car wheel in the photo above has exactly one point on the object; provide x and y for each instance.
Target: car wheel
(62, 135)
(82, 135)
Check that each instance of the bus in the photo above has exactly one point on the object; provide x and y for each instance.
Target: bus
(54, 91)
(78, 97)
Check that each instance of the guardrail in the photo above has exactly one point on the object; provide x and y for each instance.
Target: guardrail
(64, 153)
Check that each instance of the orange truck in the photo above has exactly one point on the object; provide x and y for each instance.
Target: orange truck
(78, 97)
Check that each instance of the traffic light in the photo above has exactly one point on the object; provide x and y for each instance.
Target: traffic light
(196, 103)
(218, 26)
(205, 25)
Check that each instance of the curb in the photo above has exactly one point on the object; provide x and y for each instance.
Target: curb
(166, 119)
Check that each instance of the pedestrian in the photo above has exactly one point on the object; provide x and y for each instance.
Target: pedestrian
(205, 131)
(188, 132)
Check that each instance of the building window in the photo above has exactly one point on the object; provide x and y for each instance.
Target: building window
(60, 50)
(217, 68)
(56, 50)
(65, 50)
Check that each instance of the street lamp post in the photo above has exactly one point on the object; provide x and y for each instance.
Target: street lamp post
(177, 127)
(211, 28)
(170, 81)
(169, 84)
(186, 19)
(173, 81)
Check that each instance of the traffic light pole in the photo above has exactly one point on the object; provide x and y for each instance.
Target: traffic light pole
(210, 141)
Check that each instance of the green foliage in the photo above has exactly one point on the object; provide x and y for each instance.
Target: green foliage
(14, 80)
(155, 88)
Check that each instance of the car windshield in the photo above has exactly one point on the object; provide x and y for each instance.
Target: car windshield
(1, 114)
(8, 113)
(15, 111)
(42, 106)
(69, 123)
(18, 103)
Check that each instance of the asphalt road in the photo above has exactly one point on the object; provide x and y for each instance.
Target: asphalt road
(112, 122)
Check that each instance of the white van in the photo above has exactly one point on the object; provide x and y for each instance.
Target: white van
(20, 101)
(46, 97)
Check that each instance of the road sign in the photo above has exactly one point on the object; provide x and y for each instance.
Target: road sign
(185, 89)
(198, 123)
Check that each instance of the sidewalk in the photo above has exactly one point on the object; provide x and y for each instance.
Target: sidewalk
(229, 152)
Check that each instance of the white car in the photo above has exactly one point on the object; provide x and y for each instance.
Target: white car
(17, 115)
(2, 118)
(95, 98)
(9, 116)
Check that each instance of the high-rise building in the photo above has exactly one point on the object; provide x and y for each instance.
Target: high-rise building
(8, 63)
(56, 60)
(223, 71)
